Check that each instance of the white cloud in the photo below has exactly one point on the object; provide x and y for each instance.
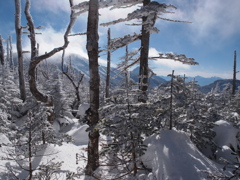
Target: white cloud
(166, 62)
(54, 6)
(51, 39)
(215, 19)
(212, 20)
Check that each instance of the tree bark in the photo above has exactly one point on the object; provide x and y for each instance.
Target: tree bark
(234, 73)
(11, 53)
(1, 51)
(2, 61)
(35, 59)
(76, 86)
(143, 71)
(171, 103)
(18, 30)
(8, 50)
(92, 48)
(108, 65)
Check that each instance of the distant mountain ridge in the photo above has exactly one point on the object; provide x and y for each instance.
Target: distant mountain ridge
(202, 81)
(220, 83)
(81, 63)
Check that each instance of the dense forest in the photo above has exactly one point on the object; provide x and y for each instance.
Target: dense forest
(66, 121)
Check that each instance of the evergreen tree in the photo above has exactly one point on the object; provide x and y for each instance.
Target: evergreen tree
(30, 139)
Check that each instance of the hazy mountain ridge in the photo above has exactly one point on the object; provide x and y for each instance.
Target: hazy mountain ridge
(81, 64)
(202, 81)
(220, 83)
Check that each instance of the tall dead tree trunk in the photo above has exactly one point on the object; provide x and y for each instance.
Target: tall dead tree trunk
(8, 50)
(1, 51)
(2, 60)
(143, 71)
(108, 64)
(35, 59)
(234, 73)
(18, 29)
(171, 103)
(92, 48)
(76, 85)
(11, 54)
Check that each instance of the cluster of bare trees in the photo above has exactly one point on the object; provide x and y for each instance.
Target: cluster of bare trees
(148, 14)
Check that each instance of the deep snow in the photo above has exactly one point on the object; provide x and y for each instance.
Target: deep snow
(173, 156)
(170, 154)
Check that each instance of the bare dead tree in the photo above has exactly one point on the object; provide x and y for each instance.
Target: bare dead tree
(108, 64)
(8, 50)
(1, 51)
(149, 13)
(143, 70)
(171, 103)
(75, 84)
(2, 61)
(92, 48)
(11, 53)
(234, 73)
(35, 59)
(18, 29)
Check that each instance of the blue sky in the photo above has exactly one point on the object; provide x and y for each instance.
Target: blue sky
(211, 38)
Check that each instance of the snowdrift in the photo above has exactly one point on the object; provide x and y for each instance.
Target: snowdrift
(172, 156)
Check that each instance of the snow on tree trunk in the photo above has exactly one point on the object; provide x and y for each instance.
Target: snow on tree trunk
(18, 30)
(143, 72)
(92, 48)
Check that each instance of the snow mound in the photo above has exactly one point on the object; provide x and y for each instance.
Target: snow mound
(79, 135)
(172, 156)
(225, 133)
(4, 139)
(82, 110)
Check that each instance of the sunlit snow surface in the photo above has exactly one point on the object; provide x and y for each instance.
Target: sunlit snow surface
(170, 154)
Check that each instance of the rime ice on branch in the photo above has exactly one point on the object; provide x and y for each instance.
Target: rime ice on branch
(114, 4)
(120, 42)
(171, 56)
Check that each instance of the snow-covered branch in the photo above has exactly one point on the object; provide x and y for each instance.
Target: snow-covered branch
(181, 58)
(150, 11)
(172, 20)
(78, 34)
(131, 54)
(128, 57)
(120, 42)
(114, 4)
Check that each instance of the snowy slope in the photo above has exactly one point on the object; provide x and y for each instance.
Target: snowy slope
(172, 156)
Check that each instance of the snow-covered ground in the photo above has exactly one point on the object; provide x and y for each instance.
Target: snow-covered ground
(173, 156)
(170, 154)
